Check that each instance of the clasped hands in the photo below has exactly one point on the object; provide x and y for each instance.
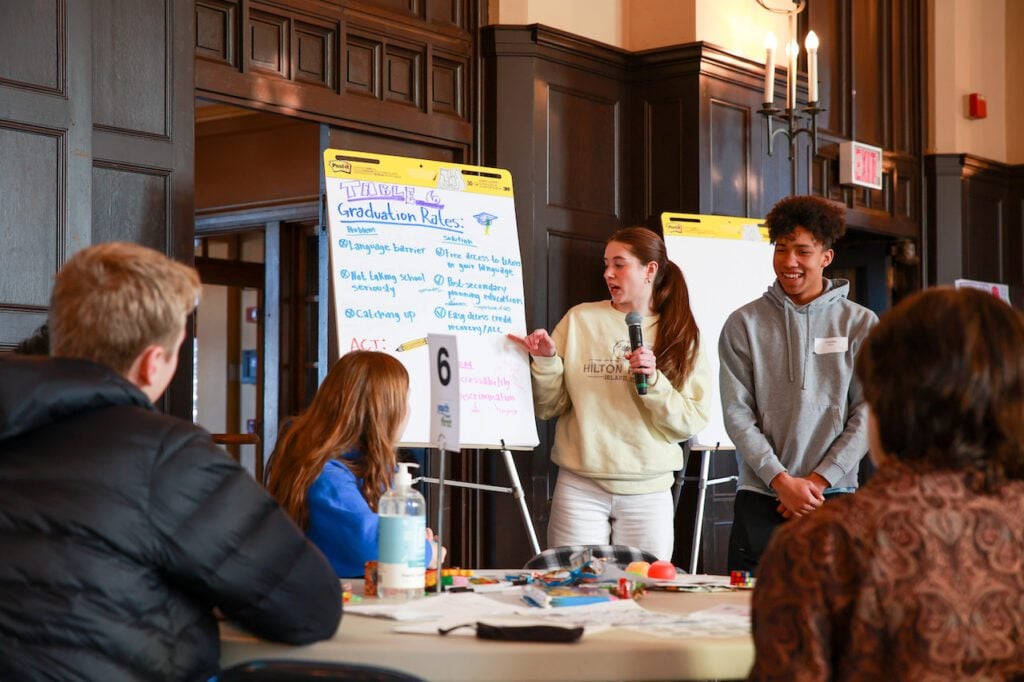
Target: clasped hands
(799, 495)
(540, 345)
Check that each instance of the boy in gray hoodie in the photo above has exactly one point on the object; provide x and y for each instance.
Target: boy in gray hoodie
(791, 402)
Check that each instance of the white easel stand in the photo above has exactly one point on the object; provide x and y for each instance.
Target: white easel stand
(702, 487)
(516, 490)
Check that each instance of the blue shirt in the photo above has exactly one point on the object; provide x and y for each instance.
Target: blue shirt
(341, 523)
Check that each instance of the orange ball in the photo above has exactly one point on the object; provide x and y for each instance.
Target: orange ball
(638, 567)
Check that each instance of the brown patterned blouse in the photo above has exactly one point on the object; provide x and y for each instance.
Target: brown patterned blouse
(914, 577)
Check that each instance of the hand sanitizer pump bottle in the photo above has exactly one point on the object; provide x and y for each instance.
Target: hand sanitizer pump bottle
(401, 560)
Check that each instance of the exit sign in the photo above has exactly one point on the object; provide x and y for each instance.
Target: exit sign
(860, 164)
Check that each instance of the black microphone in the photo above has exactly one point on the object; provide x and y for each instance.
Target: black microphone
(634, 321)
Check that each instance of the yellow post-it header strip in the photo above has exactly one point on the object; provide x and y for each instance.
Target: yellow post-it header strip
(398, 170)
(713, 226)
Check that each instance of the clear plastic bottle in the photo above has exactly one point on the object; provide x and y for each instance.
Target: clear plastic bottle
(401, 538)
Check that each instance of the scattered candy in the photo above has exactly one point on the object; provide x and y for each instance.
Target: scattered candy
(741, 579)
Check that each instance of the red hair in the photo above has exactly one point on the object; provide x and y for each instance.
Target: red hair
(360, 406)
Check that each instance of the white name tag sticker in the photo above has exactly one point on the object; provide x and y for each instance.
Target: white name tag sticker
(832, 344)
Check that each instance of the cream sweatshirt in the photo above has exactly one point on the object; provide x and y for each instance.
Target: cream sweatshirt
(628, 444)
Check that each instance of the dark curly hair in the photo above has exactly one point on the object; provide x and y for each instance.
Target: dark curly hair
(822, 218)
(943, 373)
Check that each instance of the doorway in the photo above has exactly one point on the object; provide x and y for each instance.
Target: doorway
(256, 229)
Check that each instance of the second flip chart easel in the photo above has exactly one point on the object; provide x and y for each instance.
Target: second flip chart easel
(727, 263)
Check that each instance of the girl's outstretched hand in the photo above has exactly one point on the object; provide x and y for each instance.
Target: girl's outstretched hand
(538, 344)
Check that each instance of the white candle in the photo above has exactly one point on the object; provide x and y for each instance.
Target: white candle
(792, 50)
(811, 43)
(769, 68)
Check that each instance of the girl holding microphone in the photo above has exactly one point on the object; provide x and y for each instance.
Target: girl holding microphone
(617, 450)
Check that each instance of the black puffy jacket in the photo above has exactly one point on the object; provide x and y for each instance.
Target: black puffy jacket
(121, 528)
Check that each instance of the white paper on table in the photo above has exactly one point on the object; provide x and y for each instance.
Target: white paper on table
(720, 621)
(464, 606)
(696, 580)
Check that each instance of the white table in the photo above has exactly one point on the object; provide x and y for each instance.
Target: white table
(609, 655)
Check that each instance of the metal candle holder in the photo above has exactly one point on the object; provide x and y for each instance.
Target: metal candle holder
(791, 129)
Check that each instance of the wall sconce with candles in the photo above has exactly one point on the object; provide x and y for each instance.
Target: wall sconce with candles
(792, 116)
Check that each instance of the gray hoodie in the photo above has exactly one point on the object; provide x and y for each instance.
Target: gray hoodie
(789, 395)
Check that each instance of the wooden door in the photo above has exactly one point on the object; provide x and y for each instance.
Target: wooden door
(96, 143)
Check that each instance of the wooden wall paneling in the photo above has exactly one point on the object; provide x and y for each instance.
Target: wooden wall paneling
(130, 204)
(984, 252)
(1015, 227)
(32, 165)
(413, 8)
(448, 94)
(363, 65)
(583, 152)
(663, 165)
(31, 49)
(217, 23)
(269, 35)
(667, 150)
(974, 221)
(446, 13)
(314, 53)
(830, 19)
(143, 137)
(131, 55)
(870, 73)
(905, 75)
(351, 63)
(732, 191)
(45, 151)
(944, 218)
(404, 73)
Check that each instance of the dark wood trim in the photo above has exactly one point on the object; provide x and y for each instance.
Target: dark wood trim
(975, 227)
(254, 216)
(227, 272)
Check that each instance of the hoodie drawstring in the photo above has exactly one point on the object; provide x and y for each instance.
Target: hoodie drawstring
(789, 341)
(807, 347)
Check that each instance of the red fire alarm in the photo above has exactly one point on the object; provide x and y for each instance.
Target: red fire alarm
(976, 106)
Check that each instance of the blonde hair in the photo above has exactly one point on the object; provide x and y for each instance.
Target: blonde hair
(360, 407)
(113, 300)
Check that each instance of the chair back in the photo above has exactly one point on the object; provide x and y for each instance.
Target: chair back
(568, 556)
(310, 671)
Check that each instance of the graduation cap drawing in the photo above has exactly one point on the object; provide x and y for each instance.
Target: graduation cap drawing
(485, 219)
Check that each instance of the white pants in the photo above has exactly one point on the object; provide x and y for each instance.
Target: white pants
(584, 513)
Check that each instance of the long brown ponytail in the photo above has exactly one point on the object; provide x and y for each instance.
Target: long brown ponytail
(678, 339)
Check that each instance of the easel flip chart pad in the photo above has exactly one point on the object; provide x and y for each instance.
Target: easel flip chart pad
(727, 263)
(421, 247)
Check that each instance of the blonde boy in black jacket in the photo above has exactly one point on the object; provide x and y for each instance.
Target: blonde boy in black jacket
(121, 527)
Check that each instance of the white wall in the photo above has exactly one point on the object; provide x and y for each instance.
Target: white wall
(1014, 82)
(967, 53)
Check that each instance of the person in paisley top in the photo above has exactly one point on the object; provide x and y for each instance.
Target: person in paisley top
(920, 575)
